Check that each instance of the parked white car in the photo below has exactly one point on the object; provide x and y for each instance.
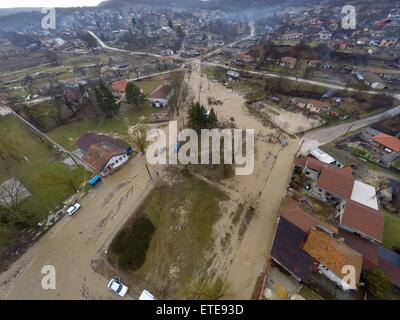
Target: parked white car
(117, 287)
(147, 296)
(72, 209)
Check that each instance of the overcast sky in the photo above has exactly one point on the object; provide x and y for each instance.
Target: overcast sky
(48, 3)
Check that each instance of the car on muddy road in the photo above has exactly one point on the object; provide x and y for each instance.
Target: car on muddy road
(116, 286)
(72, 209)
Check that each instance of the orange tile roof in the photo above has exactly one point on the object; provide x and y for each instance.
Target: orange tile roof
(332, 253)
(388, 141)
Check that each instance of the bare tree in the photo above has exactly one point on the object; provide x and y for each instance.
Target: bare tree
(12, 192)
(137, 136)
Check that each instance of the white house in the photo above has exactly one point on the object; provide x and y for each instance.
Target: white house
(161, 96)
(325, 35)
(105, 157)
(233, 74)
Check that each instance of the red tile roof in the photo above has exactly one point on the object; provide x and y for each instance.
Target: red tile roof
(318, 104)
(363, 219)
(98, 155)
(89, 138)
(311, 163)
(336, 180)
(388, 141)
(368, 249)
(119, 86)
(161, 92)
(291, 210)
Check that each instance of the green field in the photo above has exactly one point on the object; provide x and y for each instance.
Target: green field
(149, 85)
(67, 134)
(391, 232)
(30, 160)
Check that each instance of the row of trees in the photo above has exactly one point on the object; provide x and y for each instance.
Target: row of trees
(199, 118)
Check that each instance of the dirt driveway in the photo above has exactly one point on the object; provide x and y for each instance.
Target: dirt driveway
(74, 241)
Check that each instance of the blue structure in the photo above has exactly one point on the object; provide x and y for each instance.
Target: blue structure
(95, 180)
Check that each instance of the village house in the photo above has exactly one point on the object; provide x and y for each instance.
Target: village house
(306, 247)
(73, 96)
(388, 42)
(356, 203)
(373, 81)
(118, 88)
(317, 106)
(384, 146)
(109, 74)
(333, 256)
(314, 63)
(325, 35)
(292, 36)
(161, 96)
(102, 152)
(287, 62)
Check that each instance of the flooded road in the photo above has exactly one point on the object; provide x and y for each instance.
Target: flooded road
(72, 243)
(264, 189)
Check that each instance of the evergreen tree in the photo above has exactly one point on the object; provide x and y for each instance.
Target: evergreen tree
(199, 119)
(212, 119)
(133, 94)
(106, 101)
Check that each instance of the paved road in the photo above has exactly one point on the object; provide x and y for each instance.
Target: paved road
(102, 44)
(313, 82)
(317, 137)
(157, 74)
(230, 45)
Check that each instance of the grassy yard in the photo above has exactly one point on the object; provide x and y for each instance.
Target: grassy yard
(26, 157)
(391, 233)
(183, 214)
(67, 134)
(149, 85)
